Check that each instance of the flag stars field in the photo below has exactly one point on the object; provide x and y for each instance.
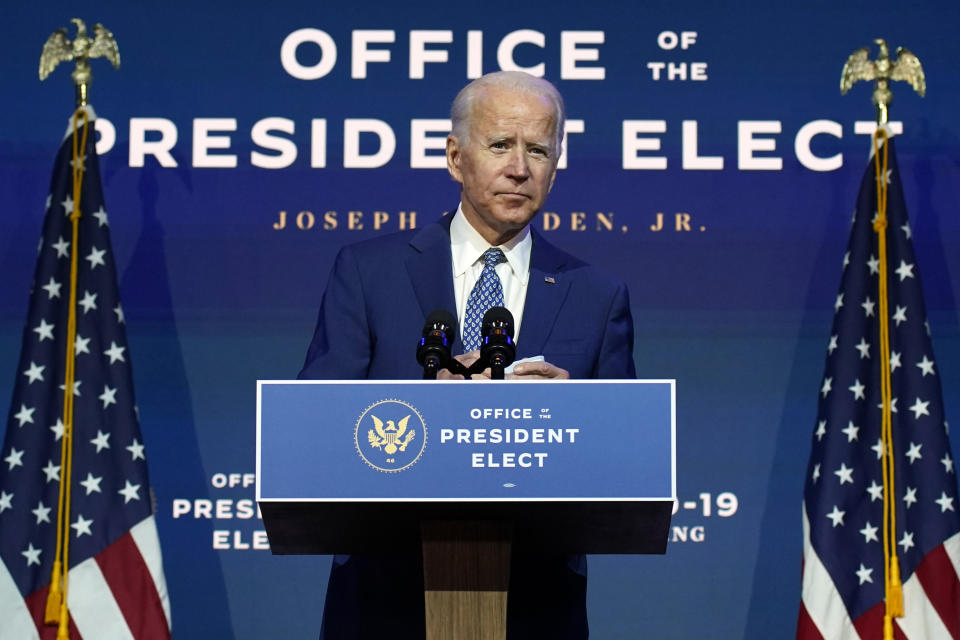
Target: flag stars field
(115, 353)
(44, 330)
(34, 373)
(108, 397)
(62, 247)
(858, 388)
(102, 441)
(32, 555)
(92, 483)
(945, 502)
(95, 258)
(851, 430)
(864, 348)
(920, 408)
(836, 516)
(894, 361)
(76, 387)
(42, 512)
(876, 491)
(14, 459)
(926, 366)
(914, 452)
(52, 472)
(81, 345)
(130, 492)
(25, 415)
(864, 574)
(844, 473)
(6, 501)
(869, 533)
(88, 302)
(52, 288)
(947, 463)
(910, 497)
(136, 450)
(82, 526)
(101, 216)
(904, 270)
(900, 315)
(893, 404)
(906, 541)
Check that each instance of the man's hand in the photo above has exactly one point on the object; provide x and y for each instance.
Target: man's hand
(538, 371)
(466, 359)
(530, 371)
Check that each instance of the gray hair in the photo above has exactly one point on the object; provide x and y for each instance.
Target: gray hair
(461, 111)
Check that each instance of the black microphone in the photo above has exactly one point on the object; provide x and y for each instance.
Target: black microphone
(497, 349)
(433, 350)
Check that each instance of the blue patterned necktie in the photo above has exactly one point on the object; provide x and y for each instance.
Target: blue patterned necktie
(487, 293)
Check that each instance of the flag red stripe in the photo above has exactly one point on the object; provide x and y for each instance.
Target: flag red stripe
(806, 630)
(942, 587)
(133, 588)
(37, 604)
(870, 624)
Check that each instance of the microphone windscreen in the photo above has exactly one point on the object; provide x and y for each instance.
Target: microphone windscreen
(441, 318)
(498, 316)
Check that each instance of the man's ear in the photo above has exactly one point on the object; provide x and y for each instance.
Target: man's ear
(454, 155)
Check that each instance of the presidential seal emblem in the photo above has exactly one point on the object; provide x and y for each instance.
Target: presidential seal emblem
(390, 435)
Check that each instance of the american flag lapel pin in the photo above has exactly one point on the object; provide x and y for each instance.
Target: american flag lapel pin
(549, 279)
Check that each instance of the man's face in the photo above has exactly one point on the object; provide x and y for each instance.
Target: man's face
(507, 165)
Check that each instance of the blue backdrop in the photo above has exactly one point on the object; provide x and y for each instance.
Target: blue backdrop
(732, 296)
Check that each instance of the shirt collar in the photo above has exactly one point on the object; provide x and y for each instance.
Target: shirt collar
(468, 246)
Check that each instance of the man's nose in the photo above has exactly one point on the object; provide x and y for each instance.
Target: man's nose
(518, 167)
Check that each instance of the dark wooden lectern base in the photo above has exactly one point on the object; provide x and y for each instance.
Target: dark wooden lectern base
(466, 572)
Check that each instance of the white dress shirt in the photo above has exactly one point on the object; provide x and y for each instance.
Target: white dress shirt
(468, 246)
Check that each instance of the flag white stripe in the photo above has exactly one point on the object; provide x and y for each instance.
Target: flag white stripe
(952, 546)
(15, 620)
(820, 596)
(148, 542)
(91, 604)
(920, 620)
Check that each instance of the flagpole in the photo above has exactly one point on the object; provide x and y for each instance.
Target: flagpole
(56, 49)
(906, 67)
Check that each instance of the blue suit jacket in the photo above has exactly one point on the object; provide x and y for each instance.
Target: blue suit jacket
(382, 290)
(376, 302)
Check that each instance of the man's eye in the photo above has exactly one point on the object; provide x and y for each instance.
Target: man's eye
(498, 145)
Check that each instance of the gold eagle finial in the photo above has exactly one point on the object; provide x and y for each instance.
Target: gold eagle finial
(906, 67)
(58, 49)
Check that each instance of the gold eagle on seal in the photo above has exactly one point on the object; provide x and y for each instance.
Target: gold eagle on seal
(392, 437)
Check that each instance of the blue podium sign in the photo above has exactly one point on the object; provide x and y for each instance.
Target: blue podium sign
(574, 466)
(465, 440)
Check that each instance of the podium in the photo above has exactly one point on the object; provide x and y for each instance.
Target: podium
(472, 472)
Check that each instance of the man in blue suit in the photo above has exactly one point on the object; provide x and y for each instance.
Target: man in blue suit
(503, 150)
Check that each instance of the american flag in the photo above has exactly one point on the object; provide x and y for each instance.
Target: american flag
(116, 587)
(843, 561)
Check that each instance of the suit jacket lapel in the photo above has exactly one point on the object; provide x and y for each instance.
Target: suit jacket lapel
(546, 290)
(430, 268)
